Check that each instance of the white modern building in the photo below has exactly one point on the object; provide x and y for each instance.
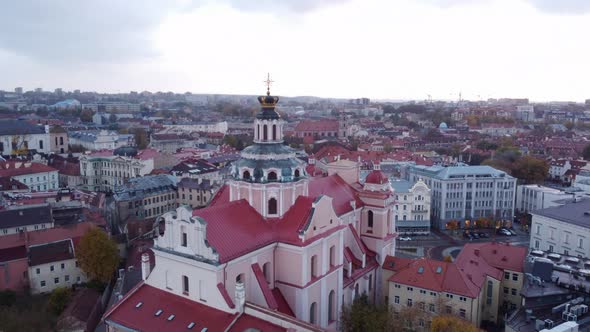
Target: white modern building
(563, 229)
(532, 197)
(466, 192)
(412, 206)
(216, 127)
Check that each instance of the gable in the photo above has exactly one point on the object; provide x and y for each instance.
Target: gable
(322, 218)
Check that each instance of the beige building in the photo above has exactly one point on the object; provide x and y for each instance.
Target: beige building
(480, 286)
(58, 140)
(195, 192)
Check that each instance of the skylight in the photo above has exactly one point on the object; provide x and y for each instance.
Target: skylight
(438, 269)
(204, 329)
(171, 317)
(159, 312)
(421, 270)
(191, 325)
(139, 304)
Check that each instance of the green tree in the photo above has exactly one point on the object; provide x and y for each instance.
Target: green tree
(449, 323)
(86, 115)
(531, 169)
(363, 316)
(98, 255)
(58, 300)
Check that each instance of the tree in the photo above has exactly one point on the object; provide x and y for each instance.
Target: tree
(58, 299)
(448, 259)
(449, 323)
(363, 316)
(86, 115)
(141, 140)
(98, 255)
(531, 169)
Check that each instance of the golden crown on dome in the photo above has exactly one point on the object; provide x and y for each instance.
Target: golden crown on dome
(268, 100)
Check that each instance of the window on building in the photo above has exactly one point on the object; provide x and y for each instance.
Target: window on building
(514, 276)
(506, 290)
(184, 240)
(313, 313)
(333, 256)
(332, 306)
(265, 133)
(513, 291)
(56, 280)
(396, 300)
(42, 283)
(185, 285)
(266, 271)
(40, 145)
(67, 278)
(432, 307)
(410, 302)
(51, 268)
(272, 206)
(272, 176)
(449, 309)
(489, 292)
(245, 176)
(314, 266)
(462, 313)
(297, 173)
(63, 266)
(370, 219)
(38, 270)
(274, 132)
(538, 229)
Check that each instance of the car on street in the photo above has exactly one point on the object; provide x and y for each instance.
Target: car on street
(467, 235)
(405, 238)
(511, 231)
(475, 235)
(504, 231)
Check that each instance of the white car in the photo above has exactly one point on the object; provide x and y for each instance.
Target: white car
(405, 238)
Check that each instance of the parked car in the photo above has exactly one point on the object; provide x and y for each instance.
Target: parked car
(467, 235)
(406, 238)
(484, 235)
(475, 235)
(504, 231)
(511, 231)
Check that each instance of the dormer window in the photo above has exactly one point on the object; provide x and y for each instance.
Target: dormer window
(272, 176)
(246, 175)
(297, 173)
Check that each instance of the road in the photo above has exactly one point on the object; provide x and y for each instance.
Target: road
(440, 244)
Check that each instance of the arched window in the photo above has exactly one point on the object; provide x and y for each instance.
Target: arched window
(246, 175)
(265, 133)
(314, 266)
(333, 256)
(274, 132)
(266, 271)
(370, 219)
(240, 278)
(356, 291)
(313, 313)
(331, 306)
(297, 173)
(272, 206)
(272, 176)
(258, 132)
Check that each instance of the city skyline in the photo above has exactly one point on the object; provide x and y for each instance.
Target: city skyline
(337, 49)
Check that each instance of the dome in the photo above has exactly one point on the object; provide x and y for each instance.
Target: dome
(443, 125)
(127, 151)
(376, 177)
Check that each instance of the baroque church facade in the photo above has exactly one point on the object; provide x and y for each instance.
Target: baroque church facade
(276, 249)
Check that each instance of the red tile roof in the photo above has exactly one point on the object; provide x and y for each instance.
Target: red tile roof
(221, 196)
(321, 125)
(226, 297)
(283, 306)
(395, 264)
(376, 177)
(503, 256)
(153, 299)
(14, 168)
(336, 188)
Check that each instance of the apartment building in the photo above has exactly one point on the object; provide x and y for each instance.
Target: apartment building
(412, 207)
(532, 197)
(106, 169)
(28, 218)
(563, 229)
(53, 265)
(144, 198)
(195, 193)
(36, 176)
(481, 285)
(466, 192)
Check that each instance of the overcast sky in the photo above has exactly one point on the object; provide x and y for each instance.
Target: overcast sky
(395, 49)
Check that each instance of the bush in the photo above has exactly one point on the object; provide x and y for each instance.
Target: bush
(58, 300)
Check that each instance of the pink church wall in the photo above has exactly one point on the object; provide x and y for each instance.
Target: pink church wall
(289, 266)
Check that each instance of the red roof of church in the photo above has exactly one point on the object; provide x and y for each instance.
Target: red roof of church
(336, 188)
(185, 311)
(376, 177)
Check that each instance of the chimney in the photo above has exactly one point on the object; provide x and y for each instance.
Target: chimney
(145, 266)
(476, 251)
(240, 296)
(17, 164)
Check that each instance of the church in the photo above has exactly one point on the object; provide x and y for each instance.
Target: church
(276, 249)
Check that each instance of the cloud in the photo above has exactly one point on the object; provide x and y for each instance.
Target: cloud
(74, 32)
(548, 6)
